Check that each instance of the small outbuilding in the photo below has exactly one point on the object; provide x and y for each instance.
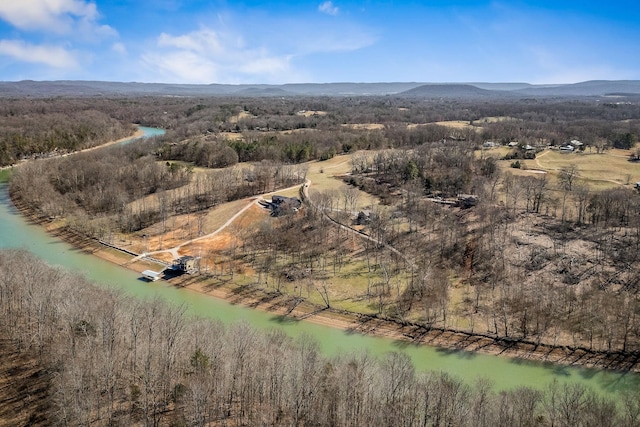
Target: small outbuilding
(151, 275)
(363, 217)
(567, 148)
(466, 201)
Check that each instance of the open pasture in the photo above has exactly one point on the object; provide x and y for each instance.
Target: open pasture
(597, 171)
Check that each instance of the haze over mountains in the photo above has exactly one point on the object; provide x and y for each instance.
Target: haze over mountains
(597, 88)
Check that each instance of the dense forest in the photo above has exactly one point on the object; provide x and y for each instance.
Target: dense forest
(30, 128)
(105, 359)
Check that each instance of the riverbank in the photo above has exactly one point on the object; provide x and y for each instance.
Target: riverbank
(292, 309)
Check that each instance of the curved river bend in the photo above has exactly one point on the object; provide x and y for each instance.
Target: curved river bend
(16, 232)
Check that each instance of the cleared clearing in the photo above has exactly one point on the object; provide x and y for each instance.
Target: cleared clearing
(364, 126)
(323, 176)
(232, 136)
(456, 124)
(241, 115)
(309, 113)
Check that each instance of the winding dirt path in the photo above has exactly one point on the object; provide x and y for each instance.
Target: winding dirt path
(544, 153)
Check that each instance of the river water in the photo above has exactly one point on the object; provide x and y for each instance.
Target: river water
(16, 232)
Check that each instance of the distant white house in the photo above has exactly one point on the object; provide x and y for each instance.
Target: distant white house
(567, 148)
(489, 144)
(513, 144)
(528, 147)
(575, 143)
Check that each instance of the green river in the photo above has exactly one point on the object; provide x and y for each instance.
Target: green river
(16, 232)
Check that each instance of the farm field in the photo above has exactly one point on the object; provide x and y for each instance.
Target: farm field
(597, 171)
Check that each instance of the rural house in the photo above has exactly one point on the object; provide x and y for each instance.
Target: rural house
(186, 264)
(281, 205)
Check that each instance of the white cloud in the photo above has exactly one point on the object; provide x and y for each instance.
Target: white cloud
(205, 41)
(53, 56)
(56, 16)
(119, 48)
(328, 8)
(207, 56)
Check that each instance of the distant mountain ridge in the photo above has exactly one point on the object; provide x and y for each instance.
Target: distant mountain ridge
(450, 91)
(588, 88)
(30, 88)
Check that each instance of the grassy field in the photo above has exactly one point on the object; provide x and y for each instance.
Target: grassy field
(364, 126)
(498, 152)
(309, 113)
(232, 136)
(241, 115)
(598, 171)
(323, 178)
(456, 124)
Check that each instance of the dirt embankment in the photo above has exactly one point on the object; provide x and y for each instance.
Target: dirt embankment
(295, 308)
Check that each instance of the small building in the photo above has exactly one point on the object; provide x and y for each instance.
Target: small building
(489, 144)
(466, 201)
(363, 217)
(151, 275)
(576, 143)
(186, 264)
(294, 202)
(281, 205)
(513, 144)
(567, 148)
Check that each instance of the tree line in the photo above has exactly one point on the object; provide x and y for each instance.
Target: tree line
(32, 135)
(113, 360)
(39, 126)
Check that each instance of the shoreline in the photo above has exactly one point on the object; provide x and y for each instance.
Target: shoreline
(298, 309)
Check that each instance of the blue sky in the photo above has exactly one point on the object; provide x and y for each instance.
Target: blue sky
(182, 41)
